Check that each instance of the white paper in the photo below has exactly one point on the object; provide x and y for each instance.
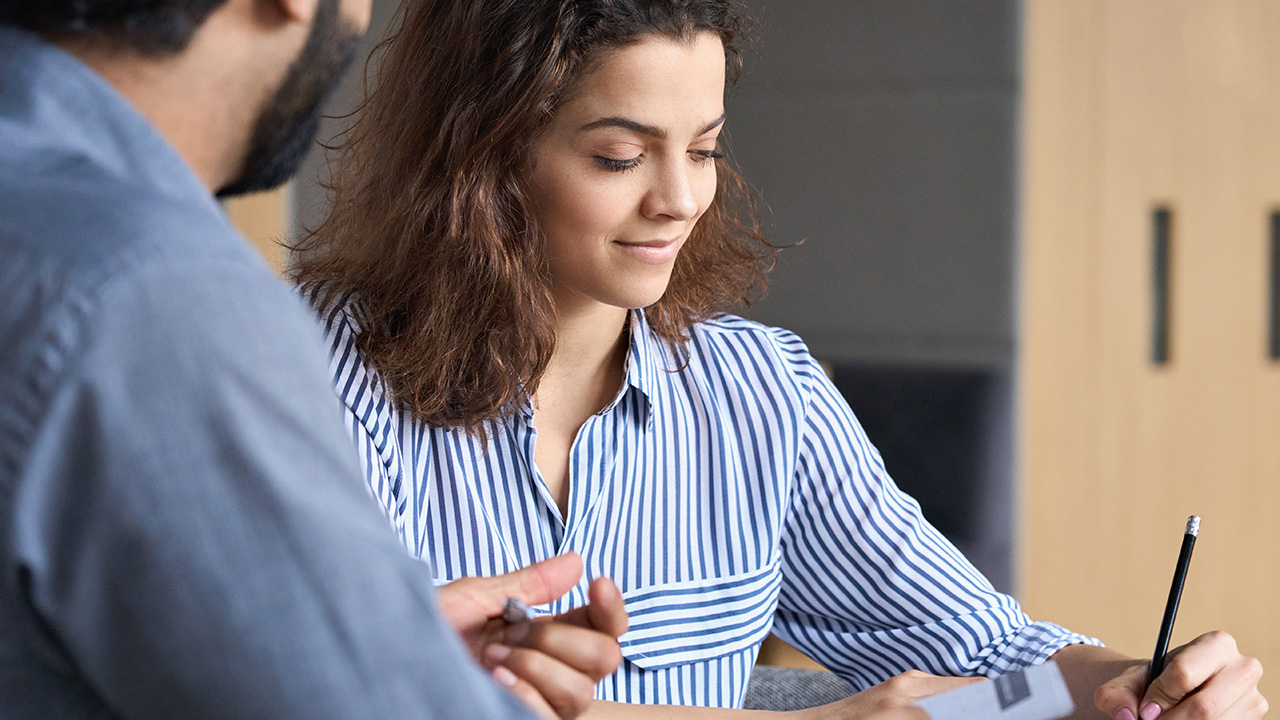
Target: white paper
(1038, 693)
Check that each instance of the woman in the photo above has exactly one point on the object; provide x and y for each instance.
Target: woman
(533, 239)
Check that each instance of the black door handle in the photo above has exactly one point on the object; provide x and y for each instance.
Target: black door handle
(1161, 251)
(1273, 299)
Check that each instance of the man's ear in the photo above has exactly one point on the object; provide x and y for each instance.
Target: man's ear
(295, 10)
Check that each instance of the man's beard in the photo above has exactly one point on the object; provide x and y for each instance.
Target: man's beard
(287, 124)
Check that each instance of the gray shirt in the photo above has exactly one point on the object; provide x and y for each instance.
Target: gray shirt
(184, 531)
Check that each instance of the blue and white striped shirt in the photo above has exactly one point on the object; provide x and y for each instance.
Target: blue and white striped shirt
(733, 495)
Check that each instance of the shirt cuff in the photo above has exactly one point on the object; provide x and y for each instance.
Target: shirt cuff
(1032, 644)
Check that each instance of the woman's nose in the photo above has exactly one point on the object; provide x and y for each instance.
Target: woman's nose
(671, 195)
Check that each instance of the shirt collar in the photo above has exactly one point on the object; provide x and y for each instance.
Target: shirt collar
(641, 373)
(642, 362)
(45, 87)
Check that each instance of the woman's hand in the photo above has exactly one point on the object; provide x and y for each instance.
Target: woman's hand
(891, 698)
(1205, 679)
(906, 712)
(552, 664)
(902, 713)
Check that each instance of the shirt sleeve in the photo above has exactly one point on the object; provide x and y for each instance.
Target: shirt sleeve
(195, 537)
(370, 419)
(870, 588)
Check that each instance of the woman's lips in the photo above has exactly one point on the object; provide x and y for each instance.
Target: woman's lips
(656, 252)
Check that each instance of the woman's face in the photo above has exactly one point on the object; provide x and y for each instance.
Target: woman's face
(626, 169)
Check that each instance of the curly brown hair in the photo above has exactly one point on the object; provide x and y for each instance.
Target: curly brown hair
(430, 228)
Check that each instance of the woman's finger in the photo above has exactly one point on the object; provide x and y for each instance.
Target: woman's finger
(1193, 665)
(1119, 697)
(1232, 692)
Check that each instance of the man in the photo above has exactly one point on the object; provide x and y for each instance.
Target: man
(183, 532)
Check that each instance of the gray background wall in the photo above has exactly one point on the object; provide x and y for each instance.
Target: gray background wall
(882, 133)
(309, 196)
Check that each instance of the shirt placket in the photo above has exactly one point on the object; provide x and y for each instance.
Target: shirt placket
(551, 524)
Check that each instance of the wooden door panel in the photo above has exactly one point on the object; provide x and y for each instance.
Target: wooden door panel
(1177, 106)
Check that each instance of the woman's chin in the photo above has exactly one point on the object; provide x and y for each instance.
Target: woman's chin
(636, 297)
(642, 301)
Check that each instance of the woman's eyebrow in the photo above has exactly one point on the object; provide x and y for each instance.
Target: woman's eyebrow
(641, 128)
(712, 125)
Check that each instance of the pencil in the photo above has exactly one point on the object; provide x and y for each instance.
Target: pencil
(1175, 595)
(516, 612)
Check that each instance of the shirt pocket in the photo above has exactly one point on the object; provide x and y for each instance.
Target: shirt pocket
(686, 622)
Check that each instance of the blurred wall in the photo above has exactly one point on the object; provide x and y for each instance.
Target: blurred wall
(881, 133)
(309, 199)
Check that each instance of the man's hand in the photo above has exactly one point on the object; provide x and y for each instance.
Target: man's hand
(551, 664)
(1205, 679)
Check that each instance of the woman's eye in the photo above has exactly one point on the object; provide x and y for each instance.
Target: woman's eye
(619, 164)
(707, 156)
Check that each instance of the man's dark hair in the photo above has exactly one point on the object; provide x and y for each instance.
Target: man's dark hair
(151, 27)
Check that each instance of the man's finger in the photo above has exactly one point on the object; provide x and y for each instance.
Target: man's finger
(536, 584)
(567, 691)
(587, 651)
(523, 692)
(606, 611)
(542, 582)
